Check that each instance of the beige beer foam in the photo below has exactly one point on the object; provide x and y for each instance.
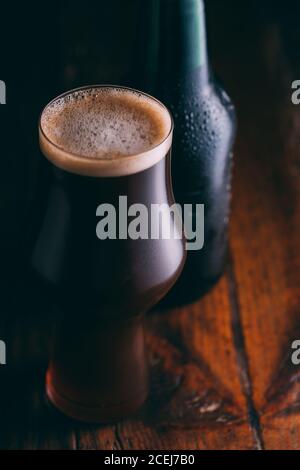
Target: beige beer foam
(105, 131)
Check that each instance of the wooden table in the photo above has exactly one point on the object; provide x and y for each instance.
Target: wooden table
(222, 376)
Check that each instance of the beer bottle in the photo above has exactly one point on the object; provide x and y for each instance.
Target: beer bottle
(204, 132)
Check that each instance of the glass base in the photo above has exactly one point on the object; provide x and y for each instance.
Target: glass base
(106, 413)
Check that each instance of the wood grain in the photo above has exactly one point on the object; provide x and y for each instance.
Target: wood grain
(193, 404)
(221, 374)
(265, 231)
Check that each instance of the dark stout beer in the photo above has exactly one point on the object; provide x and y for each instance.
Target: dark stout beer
(103, 142)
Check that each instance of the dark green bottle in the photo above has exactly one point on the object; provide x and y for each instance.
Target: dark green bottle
(177, 71)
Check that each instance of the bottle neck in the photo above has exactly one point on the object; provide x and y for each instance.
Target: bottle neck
(183, 39)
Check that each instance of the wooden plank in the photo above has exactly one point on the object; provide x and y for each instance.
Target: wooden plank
(221, 375)
(265, 237)
(196, 401)
(27, 420)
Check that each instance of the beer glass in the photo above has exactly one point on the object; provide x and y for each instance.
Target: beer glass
(103, 285)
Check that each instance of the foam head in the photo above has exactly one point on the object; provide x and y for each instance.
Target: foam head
(105, 131)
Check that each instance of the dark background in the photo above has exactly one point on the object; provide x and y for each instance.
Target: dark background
(47, 48)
